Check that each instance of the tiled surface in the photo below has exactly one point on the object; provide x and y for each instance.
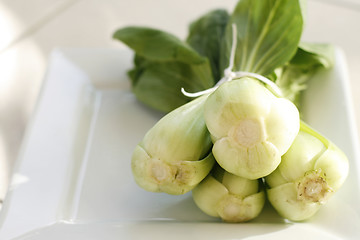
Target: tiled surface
(30, 29)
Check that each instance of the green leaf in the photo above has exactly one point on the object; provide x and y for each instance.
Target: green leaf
(205, 36)
(158, 84)
(314, 54)
(293, 77)
(163, 65)
(140, 66)
(268, 33)
(157, 45)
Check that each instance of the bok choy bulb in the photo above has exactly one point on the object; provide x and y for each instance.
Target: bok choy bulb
(309, 173)
(232, 198)
(251, 128)
(174, 155)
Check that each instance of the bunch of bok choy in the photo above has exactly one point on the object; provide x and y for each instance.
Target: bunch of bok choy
(234, 132)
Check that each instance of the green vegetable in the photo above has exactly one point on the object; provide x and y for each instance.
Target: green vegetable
(268, 34)
(157, 45)
(159, 83)
(292, 78)
(230, 197)
(250, 127)
(206, 35)
(174, 155)
(163, 65)
(247, 125)
(310, 172)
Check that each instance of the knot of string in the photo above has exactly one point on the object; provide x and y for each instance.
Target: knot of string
(230, 75)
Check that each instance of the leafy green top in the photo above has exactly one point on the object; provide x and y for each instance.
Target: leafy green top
(268, 43)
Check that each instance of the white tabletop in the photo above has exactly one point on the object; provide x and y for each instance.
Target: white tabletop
(31, 29)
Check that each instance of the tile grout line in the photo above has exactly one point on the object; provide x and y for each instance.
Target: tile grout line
(39, 24)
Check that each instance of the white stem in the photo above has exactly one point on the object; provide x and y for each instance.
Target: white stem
(274, 88)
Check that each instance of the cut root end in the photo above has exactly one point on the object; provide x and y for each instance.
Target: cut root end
(163, 173)
(247, 132)
(232, 209)
(313, 188)
(160, 171)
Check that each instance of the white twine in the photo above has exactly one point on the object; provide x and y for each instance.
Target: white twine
(230, 75)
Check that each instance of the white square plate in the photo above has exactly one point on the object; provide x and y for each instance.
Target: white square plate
(73, 179)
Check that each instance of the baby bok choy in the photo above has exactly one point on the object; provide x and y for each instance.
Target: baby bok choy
(251, 127)
(230, 197)
(310, 172)
(173, 157)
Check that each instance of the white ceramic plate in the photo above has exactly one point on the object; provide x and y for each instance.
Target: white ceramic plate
(73, 179)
